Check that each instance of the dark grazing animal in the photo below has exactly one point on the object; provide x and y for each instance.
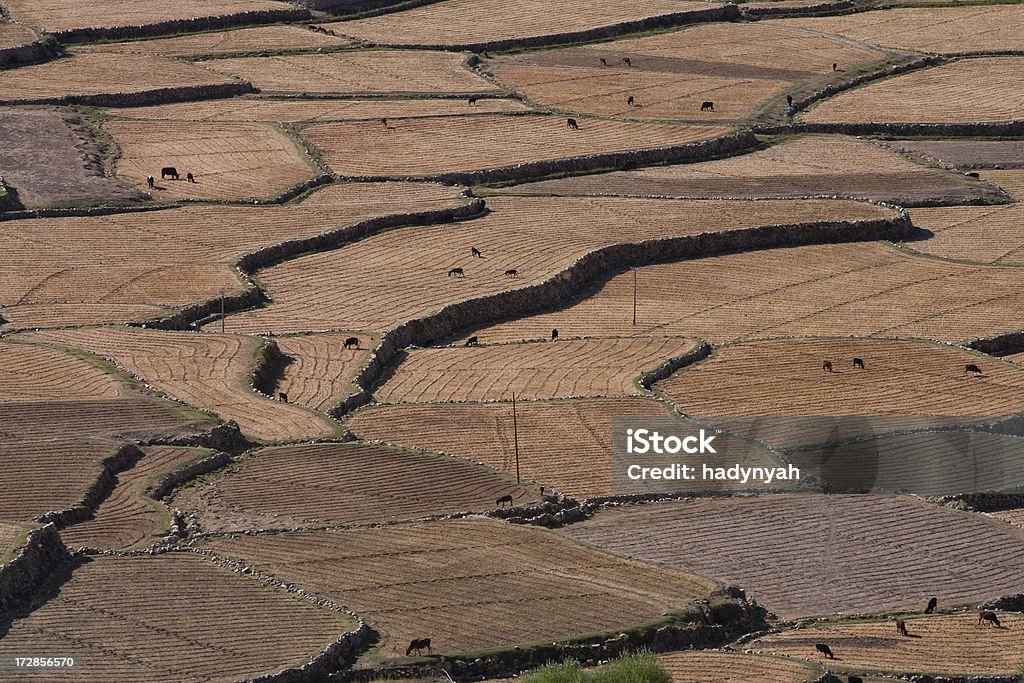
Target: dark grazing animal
(854, 679)
(456, 272)
(858, 363)
(384, 123)
(789, 100)
(168, 171)
(150, 181)
(971, 367)
(901, 628)
(417, 645)
(627, 61)
(476, 252)
(629, 101)
(351, 343)
(932, 604)
(472, 100)
(834, 66)
(511, 272)
(989, 618)
(190, 178)
(826, 366)
(281, 396)
(824, 649)
(571, 123)
(604, 62)
(504, 499)
(554, 334)
(472, 341)
(707, 106)
(974, 174)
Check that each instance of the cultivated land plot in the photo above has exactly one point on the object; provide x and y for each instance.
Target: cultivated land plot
(56, 15)
(928, 29)
(228, 160)
(320, 372)
(51, 160)
(564, 445)
(984, 234)
(949, 643)
(310, 484)
(725, 667)
(256, 39)
(209, 371)
(317, 110)
(1012, 182)
(567, 368)
(967, 90)
(381, 281)
(810, 554)
(736, 66)
(471, 584)
(12, 537)
(842, 289)
(799, 167)
(93, 74)
(65, 271)
(426, 146)
(174, 617)
(40, 373)
(362, 72)
(13, 35)
(128, 518)
(462, 22)
(968, 153)
(51, 451)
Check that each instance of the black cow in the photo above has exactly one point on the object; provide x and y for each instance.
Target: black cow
(476, 252)
(190, 178)
(504, 499)
(630, 101)
(826, 366)
(554, 334)
(473, 341)
(858, 363)
(789, 100)
(824, 649)
(707, 106)
(150, 181)
(351, 343)
(604, 62)
(511, 272)
(571, 123)
(627, 61)
(971, 367)
(456, 272)
(472, 100)
(281, 396)
(932, 604)
(168, 171)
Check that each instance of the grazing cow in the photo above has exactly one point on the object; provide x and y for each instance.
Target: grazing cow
(824, 649)
(384, 123)
(974, 174)
(456, 272)
(826, 366)
(504, 499)
(473, 341)
(168, 171)
(571, 123)
(858, 363)
(989, 618)
(629, 101)
(627, 61)
(901, 628)
(417, 645)
(150, 181)
(511, 272)
(707, 106)
(476, 252)
(351, 343)
(932, 604)
(789, 100)
(854, 679)
(283, 397)
(554, 334)
(190, 178)
(834, 66)
(972, 368)
(473, 99)
(604, 62)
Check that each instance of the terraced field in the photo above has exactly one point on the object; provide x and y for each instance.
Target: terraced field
(471, 584)
(927, 29)
(360, 72)
(317, 110)
(93, 74)
(483, 432)
(38, 373)
(12, 537)
(209, 371)
(983, 234)
(949, 643)
(567, 368)
(815, 165)
(723, 667)
(460, 22)
(967, 153)
(129, 518)
(228, 160)
(965, 90)
(13, 35)
(670, 75)
(1012, 182)
(320, 372)
(256, 39)
(427, 146)
(328, 484)
(809, 555)
(173, 617)
(392, 277)
(65, 271)
(845, 289)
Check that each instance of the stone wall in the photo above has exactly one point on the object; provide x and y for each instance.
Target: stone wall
(143, 98)
(762, 11)
(65, 213)
(980, 129)
(364, 8)
(43, 551)
(122, 459)
(29, 53)
(174, 26)
(669, 367)
(223, 437)
(1000, 344)
(269, 368)
(172, 480)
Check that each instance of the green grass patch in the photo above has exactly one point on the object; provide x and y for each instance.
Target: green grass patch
(642, 667)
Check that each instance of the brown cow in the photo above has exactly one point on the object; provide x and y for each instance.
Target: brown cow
(417, 645)
(989, 618)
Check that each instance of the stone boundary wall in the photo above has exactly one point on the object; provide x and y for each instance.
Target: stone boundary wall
(1007, 603)
(144, 98)
(339, 655)
(595, 267)
(8, 199)
(980, 129)
(670, 366)
(68, 212)
(175, 26)
(267, 371)
(22, 55)
(985, 501)
(362, 8)
(1000, 344)
(224, 437)
(841, 7)
(125, 456)
(43, 551)
(175, 478)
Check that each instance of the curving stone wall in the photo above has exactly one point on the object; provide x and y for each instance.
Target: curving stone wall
(174, 26)
(42, 553)
(669, 367)
(175, 478)
(122, 459)
(143, 98)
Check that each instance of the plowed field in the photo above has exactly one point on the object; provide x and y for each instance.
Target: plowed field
(321, 369)
(257, 39)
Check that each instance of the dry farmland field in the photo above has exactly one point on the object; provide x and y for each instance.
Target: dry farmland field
(401, 274)
(943, 644)
(427, 146)
(360, 72)
(726, 667)
(320, 369)
(228, 160)
(967, 153)
(256, 39)
(672, 74)
(984, 234)
(321, 484)
(798, 167)
(174, 617)
(67, 271)
(928, 29)
(565, 369)
(471, 584)
(967, 90)
(1011, 181)
(462, 22)
(845, 289)
(41, 373)
(484, 432)
(811, 554)
(13, 35)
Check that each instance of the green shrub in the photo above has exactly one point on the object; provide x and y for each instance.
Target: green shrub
(639, 668)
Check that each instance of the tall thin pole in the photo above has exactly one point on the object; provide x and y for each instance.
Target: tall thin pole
(515, 434)
(634, 296)
(222, 317)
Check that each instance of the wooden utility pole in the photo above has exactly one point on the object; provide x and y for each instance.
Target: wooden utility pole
(515, 434)
(222, 317)
(634, 296)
